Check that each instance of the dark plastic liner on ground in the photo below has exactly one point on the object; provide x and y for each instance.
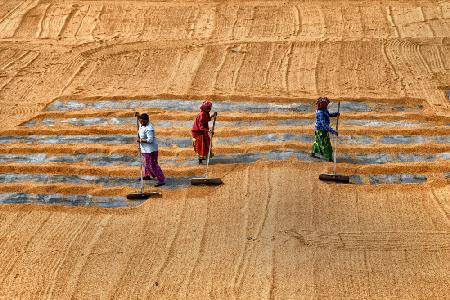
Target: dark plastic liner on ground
(157, 124)
(113, 121)
(128, 139)
(101, 159)
(356, 179)
(185, 142)
(68, 200)
(388, 179)
(171, 182)
(226, 106)
(106, 181)
(89, 139)
(397, 178)
(376, 123)
(115, 202)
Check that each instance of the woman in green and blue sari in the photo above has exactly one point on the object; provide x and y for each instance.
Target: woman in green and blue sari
(322, 145)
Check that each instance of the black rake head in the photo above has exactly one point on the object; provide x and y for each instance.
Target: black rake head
(335, 178)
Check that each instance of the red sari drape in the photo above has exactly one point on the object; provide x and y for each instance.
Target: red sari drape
(200, 130)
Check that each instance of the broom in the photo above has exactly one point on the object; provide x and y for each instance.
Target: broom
(205, 180)
(141, 195)
(335, 177)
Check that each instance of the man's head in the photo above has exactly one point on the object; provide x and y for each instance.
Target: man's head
(322, 102)
(144, 119)
(206, 106)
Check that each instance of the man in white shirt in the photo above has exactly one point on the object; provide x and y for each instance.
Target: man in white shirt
(149, 150)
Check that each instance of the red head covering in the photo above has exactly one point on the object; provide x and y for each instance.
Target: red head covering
(322, 102)
(206, 105)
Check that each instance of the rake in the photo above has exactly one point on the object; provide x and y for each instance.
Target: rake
(140, 195)
(206, 180)
(335, 177)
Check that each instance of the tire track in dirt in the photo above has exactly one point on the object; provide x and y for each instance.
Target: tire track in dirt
(181, 269)
(11, 12)
(138, 280)
(190, 68)
(97, 74)
(189, 278)
(390, 18)
(441, 204)
(376, 241)
(30, 59)
(73, 280)
(83, 66)
(269, 63)
(237, 72)
(14, 60)
(8, 262)
(396, 75)
(170, 249)
(54, 22)
(298, 28)
(174, 72)
(97, 19)
(255, 234)
(67, 247)
(41, 22)
(92, 15)
(287, 65)
(130, 268)
(247, 17)
(73, 27)
(240, 261)
(433, 59)
(10, 22)
(54, 228)
(67, 21)
(219, 69)
(424, 19)
(107, 251)
(6, 221)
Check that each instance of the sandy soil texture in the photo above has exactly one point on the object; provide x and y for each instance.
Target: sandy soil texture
(273, 230)
(261, 235)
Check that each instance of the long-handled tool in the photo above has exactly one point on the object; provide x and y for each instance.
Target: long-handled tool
(141, 195)
(205, 180)
(335, 177)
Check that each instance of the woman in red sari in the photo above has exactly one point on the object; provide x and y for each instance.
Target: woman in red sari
(200, 131)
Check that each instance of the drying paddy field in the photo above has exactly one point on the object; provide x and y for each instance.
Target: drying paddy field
(72, 74)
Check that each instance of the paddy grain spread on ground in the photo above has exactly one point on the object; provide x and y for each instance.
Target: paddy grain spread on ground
(73, 73)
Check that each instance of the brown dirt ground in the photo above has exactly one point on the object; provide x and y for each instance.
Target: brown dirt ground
(273, 230)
